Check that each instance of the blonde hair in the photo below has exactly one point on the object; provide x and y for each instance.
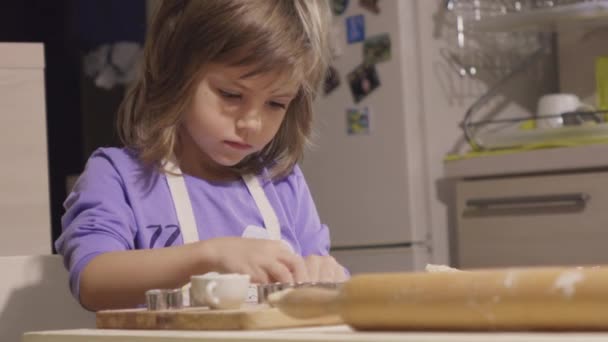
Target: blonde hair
(185, 35)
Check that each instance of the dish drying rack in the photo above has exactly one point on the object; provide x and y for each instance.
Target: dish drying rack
(532, 19)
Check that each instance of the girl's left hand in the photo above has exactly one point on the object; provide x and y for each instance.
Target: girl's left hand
(325, 269)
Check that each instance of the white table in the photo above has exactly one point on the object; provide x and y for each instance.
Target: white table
(333, 333)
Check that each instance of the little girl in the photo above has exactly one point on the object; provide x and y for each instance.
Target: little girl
(208, 179)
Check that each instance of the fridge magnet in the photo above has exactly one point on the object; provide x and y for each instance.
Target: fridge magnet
(355, 28)
(332, 80)
(370, 5)
(357, 121)
(363, 80)
(338, 6)
(377, 49)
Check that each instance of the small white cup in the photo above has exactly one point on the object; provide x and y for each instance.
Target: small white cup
(219, 291)
(556, 104)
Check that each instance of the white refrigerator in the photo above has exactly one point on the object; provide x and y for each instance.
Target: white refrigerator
(364, 167)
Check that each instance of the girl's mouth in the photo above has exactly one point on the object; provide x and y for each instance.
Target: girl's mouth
(237, 145)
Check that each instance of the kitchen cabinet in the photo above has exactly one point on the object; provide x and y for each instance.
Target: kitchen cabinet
(551, 210)
(24, 178)
(533, 220)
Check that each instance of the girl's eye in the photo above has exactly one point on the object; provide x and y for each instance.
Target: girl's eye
(277, 105)
(229, 95)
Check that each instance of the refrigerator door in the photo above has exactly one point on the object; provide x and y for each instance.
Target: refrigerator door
(360, 181)
(372, 260)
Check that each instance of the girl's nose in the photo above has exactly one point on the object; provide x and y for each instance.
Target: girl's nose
(251, 121)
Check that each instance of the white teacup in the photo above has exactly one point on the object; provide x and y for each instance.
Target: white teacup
(219, 291)
(554, 105)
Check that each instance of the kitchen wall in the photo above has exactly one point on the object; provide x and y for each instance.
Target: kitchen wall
(578, 50)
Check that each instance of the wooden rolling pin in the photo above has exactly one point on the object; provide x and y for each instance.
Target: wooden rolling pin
(556, 298)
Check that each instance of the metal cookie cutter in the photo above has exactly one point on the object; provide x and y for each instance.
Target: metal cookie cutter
(164, 299)
(267, 289)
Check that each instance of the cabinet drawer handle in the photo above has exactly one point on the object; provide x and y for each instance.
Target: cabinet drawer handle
(576, 199)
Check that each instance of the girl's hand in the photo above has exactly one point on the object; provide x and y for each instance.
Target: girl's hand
(324, 269)
(266, 261)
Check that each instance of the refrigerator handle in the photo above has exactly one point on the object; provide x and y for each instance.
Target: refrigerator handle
(577, 199)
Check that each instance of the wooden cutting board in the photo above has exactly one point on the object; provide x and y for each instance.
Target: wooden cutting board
(251, 317)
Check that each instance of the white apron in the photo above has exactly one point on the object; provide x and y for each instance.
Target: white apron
(187, 223)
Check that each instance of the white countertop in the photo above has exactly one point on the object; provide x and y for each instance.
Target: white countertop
(534, 161)
(333, 333)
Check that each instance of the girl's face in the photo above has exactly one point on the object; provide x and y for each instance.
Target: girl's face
(231, 117)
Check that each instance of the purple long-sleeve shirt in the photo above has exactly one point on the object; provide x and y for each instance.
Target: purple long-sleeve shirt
(118, 205)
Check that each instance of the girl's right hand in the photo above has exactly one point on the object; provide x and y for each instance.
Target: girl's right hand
(266, 261)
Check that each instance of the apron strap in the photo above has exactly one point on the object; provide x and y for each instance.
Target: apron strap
(271, 222)
(185, 213)
(181, 202)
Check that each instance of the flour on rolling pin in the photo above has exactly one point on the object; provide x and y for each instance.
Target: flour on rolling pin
(510, 279)
(431, 268)
(566, 282)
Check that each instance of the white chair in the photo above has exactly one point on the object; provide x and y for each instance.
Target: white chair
(34, 296)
